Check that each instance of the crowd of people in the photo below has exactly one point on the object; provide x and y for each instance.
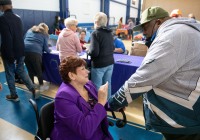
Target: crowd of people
(168, 78)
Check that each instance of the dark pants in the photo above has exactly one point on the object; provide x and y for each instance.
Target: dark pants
(18, 79)
(34, 66)
(130, 34)
(181, 136)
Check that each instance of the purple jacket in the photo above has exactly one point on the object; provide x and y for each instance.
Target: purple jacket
(75, 119)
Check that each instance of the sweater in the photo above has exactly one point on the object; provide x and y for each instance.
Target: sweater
(101, 48)
(36, 42)
(68, 44)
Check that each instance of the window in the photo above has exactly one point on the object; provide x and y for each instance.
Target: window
(133, 2)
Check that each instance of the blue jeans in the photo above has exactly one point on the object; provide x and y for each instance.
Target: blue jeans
(10, 69)
(100, 76)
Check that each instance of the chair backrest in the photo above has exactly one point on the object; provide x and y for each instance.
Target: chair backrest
(126, 52)
(46, 120)
(34, 104)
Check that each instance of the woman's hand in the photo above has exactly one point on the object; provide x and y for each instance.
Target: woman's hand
(103, 94)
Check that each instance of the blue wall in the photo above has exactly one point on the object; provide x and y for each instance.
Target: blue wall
(34, 17)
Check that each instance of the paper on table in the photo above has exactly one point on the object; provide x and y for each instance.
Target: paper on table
(86, 45)
(54, 52)
(84, 56)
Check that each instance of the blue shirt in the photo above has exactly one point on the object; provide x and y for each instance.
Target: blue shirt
(119, 44)
(61, 26)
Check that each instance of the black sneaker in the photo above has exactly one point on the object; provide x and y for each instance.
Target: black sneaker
(12, 98)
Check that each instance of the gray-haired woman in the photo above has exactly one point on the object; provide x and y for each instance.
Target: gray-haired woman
(101, 52)
(68, 43)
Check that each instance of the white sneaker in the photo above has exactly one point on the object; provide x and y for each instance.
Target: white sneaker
(37, 94)
(44, 87)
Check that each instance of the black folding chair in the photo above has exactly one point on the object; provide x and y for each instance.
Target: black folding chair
(45, 119)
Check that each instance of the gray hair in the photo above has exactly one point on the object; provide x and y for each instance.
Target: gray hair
(101, 19)
(70, 22)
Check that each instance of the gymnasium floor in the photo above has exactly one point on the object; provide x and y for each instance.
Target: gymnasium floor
(17, 120)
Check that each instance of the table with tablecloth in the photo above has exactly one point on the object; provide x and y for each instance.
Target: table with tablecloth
(121, 72)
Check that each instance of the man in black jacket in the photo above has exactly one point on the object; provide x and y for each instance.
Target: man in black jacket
(12, 49)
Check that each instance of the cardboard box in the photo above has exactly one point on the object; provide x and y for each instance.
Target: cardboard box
(139, 49)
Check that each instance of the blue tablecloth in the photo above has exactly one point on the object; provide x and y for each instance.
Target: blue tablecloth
(121, 71)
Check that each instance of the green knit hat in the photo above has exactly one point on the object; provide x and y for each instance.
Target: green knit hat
(150, 14)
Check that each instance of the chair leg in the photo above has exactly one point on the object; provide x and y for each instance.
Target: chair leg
(37, 138)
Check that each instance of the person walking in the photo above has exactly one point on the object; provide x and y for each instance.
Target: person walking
(130, 29)
(12, 50)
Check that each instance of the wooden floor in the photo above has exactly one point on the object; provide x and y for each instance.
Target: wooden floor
(128, 44)
(8, 131)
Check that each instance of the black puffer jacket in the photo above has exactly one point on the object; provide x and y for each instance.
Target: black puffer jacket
(101, 48)
(11, 29)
